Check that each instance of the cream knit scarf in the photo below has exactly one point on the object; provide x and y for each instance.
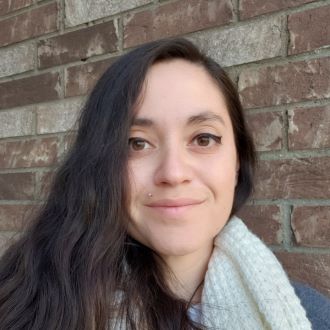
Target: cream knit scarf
(246, 287)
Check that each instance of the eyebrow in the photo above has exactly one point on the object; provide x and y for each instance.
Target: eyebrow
(205, 116)
(192, 120)
(144, 122)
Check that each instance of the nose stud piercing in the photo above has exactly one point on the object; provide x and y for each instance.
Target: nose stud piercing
(150, 195)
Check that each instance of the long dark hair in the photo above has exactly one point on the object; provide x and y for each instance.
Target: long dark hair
(76, 267)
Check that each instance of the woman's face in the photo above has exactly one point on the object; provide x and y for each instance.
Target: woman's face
(183, 160)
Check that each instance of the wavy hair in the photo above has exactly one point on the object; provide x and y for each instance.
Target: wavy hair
(76, 267)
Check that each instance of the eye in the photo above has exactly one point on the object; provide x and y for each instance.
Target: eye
(205, 139)
(137, 144)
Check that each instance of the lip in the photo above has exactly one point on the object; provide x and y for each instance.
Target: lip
(173, 208)
(174, 203)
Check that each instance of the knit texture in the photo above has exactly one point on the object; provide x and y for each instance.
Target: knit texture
(246, 287)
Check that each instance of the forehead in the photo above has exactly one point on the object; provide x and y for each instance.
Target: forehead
(177, 89)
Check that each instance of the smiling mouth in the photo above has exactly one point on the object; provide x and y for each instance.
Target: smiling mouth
(174, 207)
(178, 202)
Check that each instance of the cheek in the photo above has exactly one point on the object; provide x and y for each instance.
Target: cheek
(139, 186)
(221, 174)
(139, 177)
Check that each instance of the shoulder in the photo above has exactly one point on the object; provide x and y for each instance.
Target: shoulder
(317, 305)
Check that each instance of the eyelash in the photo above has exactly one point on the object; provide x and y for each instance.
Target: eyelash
(134, 139)
(217, 139)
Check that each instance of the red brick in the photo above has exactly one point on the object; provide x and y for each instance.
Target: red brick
(35, 89)
(17, 186)
(175, 18)
(311, 225)
(7, 6)
(309, 128)
(250, 8)
(78, 45)
(264, 221)
(311, 269)
(309, 30)
(293, 82)
(293, 178)
(45, 180)
(29, 153)
(80, 79)
(15, 217)
(30, 24)
(266, 129)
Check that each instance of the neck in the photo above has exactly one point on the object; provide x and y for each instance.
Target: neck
(189, 272)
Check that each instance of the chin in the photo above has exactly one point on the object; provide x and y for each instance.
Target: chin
(175, 247)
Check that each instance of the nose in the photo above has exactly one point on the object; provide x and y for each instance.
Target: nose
(174, 167)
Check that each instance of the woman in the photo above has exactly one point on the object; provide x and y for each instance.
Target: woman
(138, 231)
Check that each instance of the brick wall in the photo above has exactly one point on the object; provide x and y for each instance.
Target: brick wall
(277, 53)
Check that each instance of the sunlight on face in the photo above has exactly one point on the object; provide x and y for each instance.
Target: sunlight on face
(182, 151)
